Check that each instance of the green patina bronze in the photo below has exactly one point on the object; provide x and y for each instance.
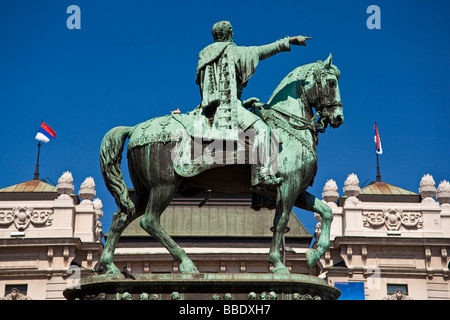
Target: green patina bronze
(203, 286)
(300, 108)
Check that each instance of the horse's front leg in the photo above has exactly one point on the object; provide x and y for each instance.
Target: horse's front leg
(285, 202)
(309, 202)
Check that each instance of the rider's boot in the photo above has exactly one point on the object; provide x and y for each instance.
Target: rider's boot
(264, 178)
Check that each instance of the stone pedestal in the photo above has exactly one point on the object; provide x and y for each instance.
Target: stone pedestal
(203, 286)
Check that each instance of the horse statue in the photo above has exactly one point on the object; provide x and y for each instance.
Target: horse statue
(290, 111)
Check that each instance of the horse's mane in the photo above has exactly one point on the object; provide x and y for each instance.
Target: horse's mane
(300, 74)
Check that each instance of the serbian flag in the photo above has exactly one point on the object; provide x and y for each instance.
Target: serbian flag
(45, 133)
(378, 141)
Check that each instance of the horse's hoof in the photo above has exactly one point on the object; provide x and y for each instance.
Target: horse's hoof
(281, 269)
(112, 270)
(187, 267)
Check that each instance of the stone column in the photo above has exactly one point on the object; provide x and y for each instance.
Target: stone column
(63, 217)
(351, 209)
(429, 207)
(87, 191)
(65, 186)
(330, 195)
(351, 189)
(427, 188)
(443, 196)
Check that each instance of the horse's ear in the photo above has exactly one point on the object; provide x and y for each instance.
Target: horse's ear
(327, 63)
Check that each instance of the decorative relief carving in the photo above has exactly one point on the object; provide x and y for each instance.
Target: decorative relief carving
(373, 219)
(398, 295)
(23, 216)
(392, 220)
(98, 206)
(126, 296)
(6, 218)
(176, 296)
(327, 257)
(15, 295)
(364, 253)
(445, 261)
(428, 261)
(318, 229)
(41, 218)
(298, 296)
(268, 295)
(346, 254)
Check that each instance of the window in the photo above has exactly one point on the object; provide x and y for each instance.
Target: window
(392, 288)
(23, 288)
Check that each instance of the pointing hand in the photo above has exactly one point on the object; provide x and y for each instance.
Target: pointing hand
(299, 40)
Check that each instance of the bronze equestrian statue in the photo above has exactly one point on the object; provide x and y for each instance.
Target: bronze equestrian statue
(286, 130)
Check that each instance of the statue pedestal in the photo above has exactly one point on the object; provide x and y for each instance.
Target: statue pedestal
(203, 286)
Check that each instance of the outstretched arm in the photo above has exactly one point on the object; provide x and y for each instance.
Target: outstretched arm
(248, 57)
(282, 45)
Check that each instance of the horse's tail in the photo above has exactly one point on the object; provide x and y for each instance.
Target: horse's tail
(110, 157)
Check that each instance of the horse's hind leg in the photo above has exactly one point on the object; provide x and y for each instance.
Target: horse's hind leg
(119, 222)
(285, 202)
(160, 197)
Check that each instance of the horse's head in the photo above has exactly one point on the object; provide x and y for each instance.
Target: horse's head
(322, 92)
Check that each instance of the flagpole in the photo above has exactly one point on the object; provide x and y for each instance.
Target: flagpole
(378, 160)
(36, 172)
(378, 170)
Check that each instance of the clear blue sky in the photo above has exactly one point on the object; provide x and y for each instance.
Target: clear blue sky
(135, 60)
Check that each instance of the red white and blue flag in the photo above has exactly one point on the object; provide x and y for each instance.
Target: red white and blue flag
(379, 149)
(45, 133)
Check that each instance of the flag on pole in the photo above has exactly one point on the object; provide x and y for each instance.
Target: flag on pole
(379, 149)
(45, 133)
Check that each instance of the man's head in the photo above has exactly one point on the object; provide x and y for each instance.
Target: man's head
(222, 31)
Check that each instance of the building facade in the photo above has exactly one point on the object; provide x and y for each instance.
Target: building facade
(392, 241)
(386, 242)
(49, 239)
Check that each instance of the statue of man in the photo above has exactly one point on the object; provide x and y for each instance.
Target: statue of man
(223, 70)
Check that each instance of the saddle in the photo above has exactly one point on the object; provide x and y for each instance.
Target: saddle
(200, 149)
(196, 152)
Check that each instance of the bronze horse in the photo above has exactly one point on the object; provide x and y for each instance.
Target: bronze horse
(289, 110)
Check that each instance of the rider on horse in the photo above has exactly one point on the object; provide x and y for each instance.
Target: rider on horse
(223, 70)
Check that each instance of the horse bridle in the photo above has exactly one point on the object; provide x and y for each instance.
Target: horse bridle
(317, 74)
